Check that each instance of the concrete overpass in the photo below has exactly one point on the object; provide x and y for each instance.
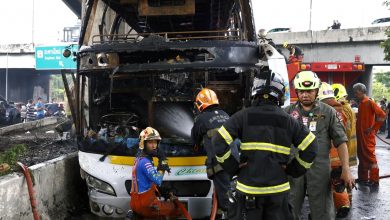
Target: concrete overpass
(338, 45)
(341, 45)
(17, 68)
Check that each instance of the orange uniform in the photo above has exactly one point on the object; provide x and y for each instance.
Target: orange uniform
(340, 199)
(370, 115)
(147, 205)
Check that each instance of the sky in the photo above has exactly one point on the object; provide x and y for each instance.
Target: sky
(20, 22)
(296, 14)
(51, 16)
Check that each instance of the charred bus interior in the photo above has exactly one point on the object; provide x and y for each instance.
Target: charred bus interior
(142, 62)
(161, 100)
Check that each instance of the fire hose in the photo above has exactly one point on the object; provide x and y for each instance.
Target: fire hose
(386, 175)
(183, 210)
(214, 207)
(31, 192)
(382, 139)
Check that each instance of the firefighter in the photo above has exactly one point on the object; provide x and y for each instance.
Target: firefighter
(369, 119)
(321, 119)
(341, 94)
(145, 179)
(296, 53)
(266, 133)
(341, 198)
(211, 118)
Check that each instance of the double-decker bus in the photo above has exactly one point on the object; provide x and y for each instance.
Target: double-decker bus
(141, 63)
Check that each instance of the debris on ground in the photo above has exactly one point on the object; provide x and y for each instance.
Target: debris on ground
(33, 146)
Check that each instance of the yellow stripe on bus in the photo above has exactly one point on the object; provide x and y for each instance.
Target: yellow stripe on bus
(172, 161)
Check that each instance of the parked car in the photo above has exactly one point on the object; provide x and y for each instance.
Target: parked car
(9, 114)
(279, 30)
(381, 22)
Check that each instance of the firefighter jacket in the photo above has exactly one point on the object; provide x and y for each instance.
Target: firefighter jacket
(335, 161)
(206, 124)
(350, 130)
(266, 133)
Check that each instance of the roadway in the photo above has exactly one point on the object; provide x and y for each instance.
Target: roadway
(374, 203)
(370, 202)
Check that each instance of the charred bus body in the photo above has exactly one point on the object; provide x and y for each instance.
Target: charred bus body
(141, 63)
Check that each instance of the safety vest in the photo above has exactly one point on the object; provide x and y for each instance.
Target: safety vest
(138, 200)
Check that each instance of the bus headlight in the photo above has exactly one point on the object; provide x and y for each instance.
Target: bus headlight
(108, 210)
(100, 185)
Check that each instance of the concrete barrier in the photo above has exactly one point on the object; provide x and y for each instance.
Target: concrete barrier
(58, 189)
(29, 125)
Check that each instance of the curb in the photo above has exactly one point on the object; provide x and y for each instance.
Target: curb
(29, 125)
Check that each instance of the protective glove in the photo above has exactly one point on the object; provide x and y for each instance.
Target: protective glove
(163, 166)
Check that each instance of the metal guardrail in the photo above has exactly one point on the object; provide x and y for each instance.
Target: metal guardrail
(170, 36)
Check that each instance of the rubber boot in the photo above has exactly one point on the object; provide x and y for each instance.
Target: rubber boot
(362, 175)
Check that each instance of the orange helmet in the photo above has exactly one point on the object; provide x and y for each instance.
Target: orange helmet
(148, 134)
(205, 98)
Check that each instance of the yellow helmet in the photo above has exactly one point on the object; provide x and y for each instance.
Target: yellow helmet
(205, 98)
(285, 44)
(325, 91)
(148, 134)
(339, 91)
(306, 80)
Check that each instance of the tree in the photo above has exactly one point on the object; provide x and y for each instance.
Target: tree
(386, 43)
(380, 88)
(384, 78)
(57, 88)
(379, 91)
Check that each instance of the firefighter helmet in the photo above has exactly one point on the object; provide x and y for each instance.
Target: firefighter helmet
(306, 80)
(205, 98)
(339, 91)
(325, 91)
(148, 134)
(269, 84)
(285, 44)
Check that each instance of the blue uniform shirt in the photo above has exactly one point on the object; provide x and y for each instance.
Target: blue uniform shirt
(40, 113)
(147, 174)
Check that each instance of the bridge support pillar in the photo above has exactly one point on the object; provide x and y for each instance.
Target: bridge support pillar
(366, 79)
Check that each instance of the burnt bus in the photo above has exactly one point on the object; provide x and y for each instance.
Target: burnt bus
(141, 63)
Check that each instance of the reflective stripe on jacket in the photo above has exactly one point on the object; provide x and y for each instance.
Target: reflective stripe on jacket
(266, 133)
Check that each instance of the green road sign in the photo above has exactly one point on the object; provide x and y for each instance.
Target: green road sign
(51, 58)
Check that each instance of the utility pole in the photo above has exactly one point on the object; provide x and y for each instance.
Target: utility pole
(32, 21)
(311, 4)
(6, 80)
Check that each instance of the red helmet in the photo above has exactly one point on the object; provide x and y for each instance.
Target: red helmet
(205, 98)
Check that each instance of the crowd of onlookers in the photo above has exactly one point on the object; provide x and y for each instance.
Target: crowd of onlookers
(38, 109)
